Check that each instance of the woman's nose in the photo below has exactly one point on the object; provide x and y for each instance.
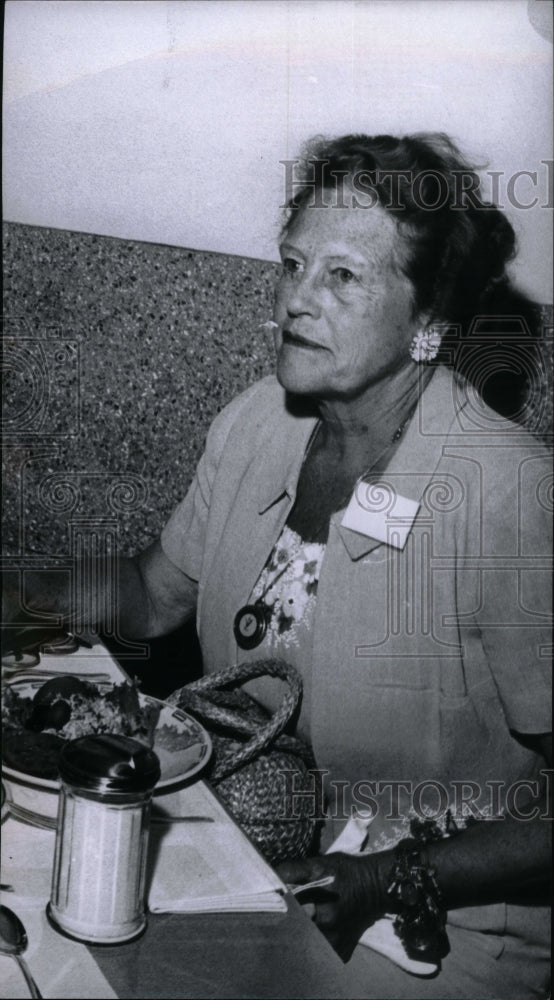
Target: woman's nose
(301, 296)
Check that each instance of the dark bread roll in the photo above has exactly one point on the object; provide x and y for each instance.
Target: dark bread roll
(36, 754)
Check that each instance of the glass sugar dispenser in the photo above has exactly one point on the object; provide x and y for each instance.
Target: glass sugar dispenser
(98, 881)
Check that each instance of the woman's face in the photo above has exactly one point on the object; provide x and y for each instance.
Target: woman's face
(343, 306)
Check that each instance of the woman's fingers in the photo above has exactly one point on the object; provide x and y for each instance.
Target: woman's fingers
(341, 933)
(295, 872)
(326, 916)
(345, 896)
(312, 887)
(305, 878)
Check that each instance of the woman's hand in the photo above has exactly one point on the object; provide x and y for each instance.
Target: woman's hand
(343, 909)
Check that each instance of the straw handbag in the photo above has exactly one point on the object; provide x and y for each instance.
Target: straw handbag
(250, 754)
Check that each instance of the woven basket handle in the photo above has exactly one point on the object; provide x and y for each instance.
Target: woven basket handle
(191, 697)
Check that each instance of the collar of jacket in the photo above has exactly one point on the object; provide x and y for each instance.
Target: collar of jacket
(410, 470)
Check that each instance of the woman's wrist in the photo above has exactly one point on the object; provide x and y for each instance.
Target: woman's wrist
(376, 871)
(403, 883)
(417, 900)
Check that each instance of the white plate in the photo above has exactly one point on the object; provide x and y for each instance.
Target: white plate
(35, 799)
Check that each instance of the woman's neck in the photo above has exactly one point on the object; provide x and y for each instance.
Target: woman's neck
(370, 421)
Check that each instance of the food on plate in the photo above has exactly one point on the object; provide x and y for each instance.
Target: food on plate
(171, 739)
(62, 687)
(32, 753)
(51, 707)
(65, 708)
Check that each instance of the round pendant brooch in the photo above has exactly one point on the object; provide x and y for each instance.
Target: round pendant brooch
(250, 626)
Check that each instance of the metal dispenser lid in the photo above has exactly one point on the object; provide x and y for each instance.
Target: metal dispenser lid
(109, 763)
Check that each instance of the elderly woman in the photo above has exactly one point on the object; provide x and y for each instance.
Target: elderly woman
(365, 516)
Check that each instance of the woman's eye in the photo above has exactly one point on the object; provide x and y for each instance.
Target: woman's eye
(292, 266)
(344, 275)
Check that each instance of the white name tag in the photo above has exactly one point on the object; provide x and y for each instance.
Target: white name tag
(378, 511)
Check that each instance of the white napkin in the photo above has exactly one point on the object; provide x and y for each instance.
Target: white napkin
(381, 936)
(206, 867)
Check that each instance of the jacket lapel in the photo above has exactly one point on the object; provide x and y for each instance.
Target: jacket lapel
(414, 463)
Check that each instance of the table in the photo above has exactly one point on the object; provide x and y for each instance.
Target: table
(216, 955)
(180, 955)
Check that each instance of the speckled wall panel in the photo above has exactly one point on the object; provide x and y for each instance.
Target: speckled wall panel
(117, 357)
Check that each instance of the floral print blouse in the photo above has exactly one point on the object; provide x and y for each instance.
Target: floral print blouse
(288, 587)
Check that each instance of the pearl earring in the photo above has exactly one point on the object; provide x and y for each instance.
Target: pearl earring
(425, 345)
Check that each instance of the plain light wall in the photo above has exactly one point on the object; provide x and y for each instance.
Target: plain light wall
(166, 121)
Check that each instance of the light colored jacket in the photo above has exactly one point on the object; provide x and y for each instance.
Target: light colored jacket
(425, 660)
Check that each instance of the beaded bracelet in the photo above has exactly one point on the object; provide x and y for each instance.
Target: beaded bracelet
(420, 921)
